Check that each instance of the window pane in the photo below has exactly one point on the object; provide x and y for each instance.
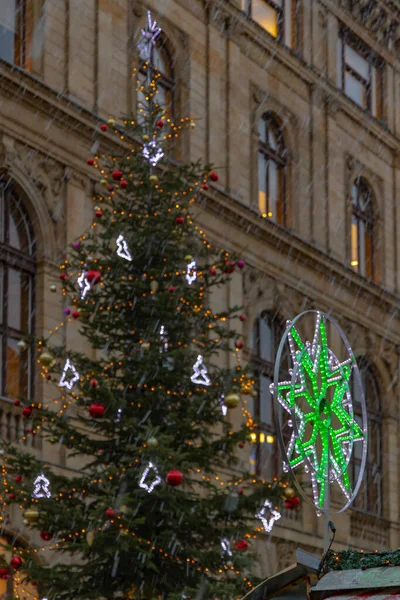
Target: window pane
(18, 231)
(368, 254)
(265, 402)
(7, 29)
(161, 62)
(18, 300)
(262, 131)
(265, 15)
(16, 370)
(339, 59)
(361, 246)
(355, 90)
(262, 184)
(354, 243)
(273, 190)
(265, 341)
(272, 140)
(356, 62)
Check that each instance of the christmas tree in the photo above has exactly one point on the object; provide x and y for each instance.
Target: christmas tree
(160, 506)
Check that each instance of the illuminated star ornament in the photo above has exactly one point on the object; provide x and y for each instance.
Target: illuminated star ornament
(322, 422)
(69, 375)
(156, 480)
(148, 39)
(200, 372)
(152, 152)
(123, 248)
(268, 515)
(191, 272)
(84, 285)
(41, 487)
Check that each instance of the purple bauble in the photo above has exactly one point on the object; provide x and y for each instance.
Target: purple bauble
(76, 245)
(240, 264)
(67, 311)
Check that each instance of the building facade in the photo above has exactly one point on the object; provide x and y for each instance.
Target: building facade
(297, 104)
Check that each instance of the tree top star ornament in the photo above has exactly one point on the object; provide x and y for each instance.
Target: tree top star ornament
(148, 39)
(315, 409)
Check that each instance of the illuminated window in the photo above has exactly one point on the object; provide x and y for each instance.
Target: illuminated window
(281, 18)
(160, 63)
(369, 497)
(359, 74)
(17, 271)
(16, 32)
(267, 333)
(271, 170)
(362, 228)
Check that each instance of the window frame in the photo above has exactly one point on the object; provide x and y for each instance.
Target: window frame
(25, 263)
(279, 157)
(374, 416)
(266, 367)
(23, 18)
(166, 82)
(347, 38)
(367, 218)
(280, 20)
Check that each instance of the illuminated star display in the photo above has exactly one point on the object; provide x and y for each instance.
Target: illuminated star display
(318, 400)
(268, 515)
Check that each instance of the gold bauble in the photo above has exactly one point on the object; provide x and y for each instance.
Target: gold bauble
(104, 182)
(111, 122)
(188, 257)
(154, 285)
(31, 515)
(289, 492)
(152, 442)
(46, 358)
(193, 125)
(53, 289)
(22, 345)
(90, 537)
(232, 400)
(153, 179)
(145, 138)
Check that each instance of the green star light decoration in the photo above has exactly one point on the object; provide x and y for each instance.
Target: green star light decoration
(318, 400)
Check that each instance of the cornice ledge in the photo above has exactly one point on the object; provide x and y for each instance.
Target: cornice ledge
(240, 215)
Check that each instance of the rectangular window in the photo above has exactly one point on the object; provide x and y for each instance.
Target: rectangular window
(267, 13)
(359, 74)
(16, 32)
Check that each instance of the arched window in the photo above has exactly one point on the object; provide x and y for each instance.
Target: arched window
(17, 288)
(271, 170)
(267, 333)
(362, 229)
(369, 497)
(16, 32)
(160, 63)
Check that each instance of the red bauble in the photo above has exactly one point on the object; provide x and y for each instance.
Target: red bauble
(174, 478)
(93, 276)
(160, 124)
(241, 445)
(63, 276)
(238, 344)
(179, 220)
(214, 176)
(110, 187)
(12, 496)
(243, 318)
(110, 513)
(76, 314)
(90, 161)
(34, 583)
(96, 411)
(212, 271)
(205, 186)
(27, 411)
(229, 267)
(103, 127)
(94, 383)
(292, 503)
(18, 478)
(241, 545)
(28, 429)
(16, 562)
(241, 264)
(171, 289)
(99, 214)
(45, 535)
(116, 175)
(240, 491)
(4, 573)
(17, 401)
(48, 377)
(124, 184)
